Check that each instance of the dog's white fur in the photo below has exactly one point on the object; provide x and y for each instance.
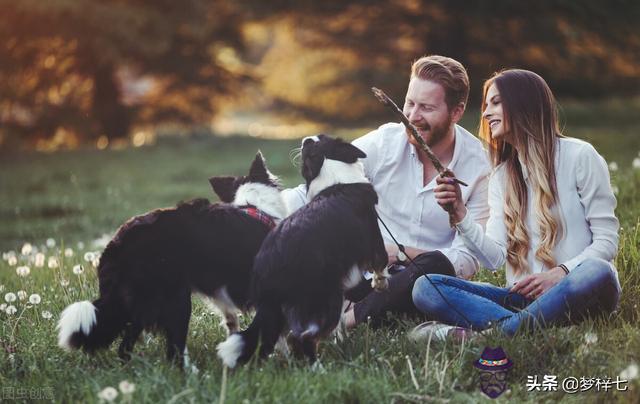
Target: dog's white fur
(230, 350)
(263, 197)
(336, 172)
(80, 316)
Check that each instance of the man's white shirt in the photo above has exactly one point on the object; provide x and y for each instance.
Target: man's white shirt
(408, 208)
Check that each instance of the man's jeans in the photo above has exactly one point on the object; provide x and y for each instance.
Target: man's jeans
(590, 289)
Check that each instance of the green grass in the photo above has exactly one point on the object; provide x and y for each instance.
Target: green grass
(78, 196)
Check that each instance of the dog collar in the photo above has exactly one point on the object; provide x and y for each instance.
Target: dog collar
(258, 214)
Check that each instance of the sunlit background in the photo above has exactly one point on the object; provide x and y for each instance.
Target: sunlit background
(122, 73)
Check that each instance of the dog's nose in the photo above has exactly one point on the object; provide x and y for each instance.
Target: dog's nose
(313, 138)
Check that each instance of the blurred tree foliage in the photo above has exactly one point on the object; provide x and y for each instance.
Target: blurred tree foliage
(98, 67)
(87, 65)
(587, 48)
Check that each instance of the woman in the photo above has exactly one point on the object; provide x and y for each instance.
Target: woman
(551, 221)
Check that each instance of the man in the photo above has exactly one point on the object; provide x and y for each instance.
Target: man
(404, 179)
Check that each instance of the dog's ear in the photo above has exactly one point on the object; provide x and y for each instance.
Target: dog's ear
(258, 171)
(346, 152)
(224, 188)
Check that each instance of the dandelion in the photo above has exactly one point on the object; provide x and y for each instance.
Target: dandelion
(11, 310)
(78, 269)
(613, 166)
(64, 283)
(630, 372)
(23, 271)
(108, 394)
(3, 306)
(12, 260)
(22, 294)
(47, 315)
(126, 387)
(35, 299)
(636, 163)
(95, 262)
(89, 256)
(53, 262)
(80, 245)
(51, 243)
(590, 338)
(26, 249)
(10, 297)
(39, 260)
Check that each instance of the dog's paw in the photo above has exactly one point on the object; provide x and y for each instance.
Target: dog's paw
(379, 283)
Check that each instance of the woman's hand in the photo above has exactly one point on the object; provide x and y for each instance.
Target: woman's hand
(533, 286)
(448, 193)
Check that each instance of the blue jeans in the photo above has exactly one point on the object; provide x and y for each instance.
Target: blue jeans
(590, 289)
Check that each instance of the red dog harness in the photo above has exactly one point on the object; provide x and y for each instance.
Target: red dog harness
(258, 214)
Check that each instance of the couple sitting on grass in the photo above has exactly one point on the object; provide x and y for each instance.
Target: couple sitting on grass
(542, 205)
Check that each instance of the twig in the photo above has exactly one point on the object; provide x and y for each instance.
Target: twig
(388, 102)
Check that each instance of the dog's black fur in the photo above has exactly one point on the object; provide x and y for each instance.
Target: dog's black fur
(155, 261)
(306, 263)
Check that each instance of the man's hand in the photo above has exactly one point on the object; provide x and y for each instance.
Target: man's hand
(392, 252)
(533, 286)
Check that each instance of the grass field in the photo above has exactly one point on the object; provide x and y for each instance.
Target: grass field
(66, 204)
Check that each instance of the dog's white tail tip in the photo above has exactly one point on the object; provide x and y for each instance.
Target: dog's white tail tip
(230, 350)
(80, 316)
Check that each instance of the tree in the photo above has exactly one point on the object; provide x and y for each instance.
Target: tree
(66, 62)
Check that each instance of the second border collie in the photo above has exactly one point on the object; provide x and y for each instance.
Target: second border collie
(307, 262)
(155, 261)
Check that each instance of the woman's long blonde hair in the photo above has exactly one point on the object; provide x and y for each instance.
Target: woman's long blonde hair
(530, 118)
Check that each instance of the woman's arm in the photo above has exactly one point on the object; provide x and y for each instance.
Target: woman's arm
(594, 188)
(490, 247)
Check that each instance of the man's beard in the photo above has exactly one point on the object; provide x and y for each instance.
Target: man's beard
(436, 133)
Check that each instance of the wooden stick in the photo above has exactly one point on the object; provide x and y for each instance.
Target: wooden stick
(388, 102)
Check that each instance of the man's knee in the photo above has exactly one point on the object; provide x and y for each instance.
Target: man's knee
(433, 262)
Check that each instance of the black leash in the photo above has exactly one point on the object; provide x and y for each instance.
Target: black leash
(401, 249)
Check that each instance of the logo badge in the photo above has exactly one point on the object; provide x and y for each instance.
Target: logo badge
(493, 366)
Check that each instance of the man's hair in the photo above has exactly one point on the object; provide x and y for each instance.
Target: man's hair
(447, 72)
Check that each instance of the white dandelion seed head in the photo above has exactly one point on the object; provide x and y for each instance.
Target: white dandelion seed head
(631, 372)
(3, 306)
(636, 163)
(50, 243)
(11, 310)
(47, 315)
(53, 262)
(22, 294)
(95, 262)
(126, 387)
(23, 271)
(68, 252)
(108, 394)
(12, 260)
(78, 269)
(35, 299)
(39, 260)
(64, 283)
(590, 338)
(89, 256)
(613, 166)
(10, 297)
(26, 249)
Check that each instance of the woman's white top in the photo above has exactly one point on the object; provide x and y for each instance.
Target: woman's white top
(586, 205)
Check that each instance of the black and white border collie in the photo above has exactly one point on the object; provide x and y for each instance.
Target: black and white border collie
(308, 261)
(155, 261)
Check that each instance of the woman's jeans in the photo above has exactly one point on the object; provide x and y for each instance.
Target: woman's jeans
(590, 289)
